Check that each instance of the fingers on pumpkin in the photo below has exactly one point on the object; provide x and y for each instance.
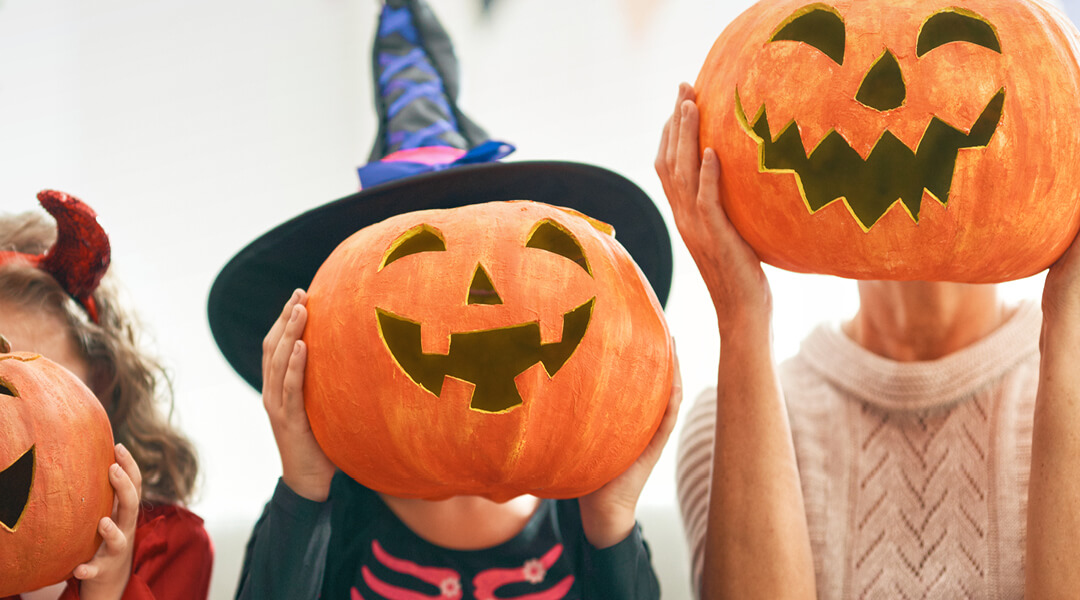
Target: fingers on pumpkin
(685, 93)
(671, 413)
(128, 464)
(274, 376)
(293, 385)
(273, 337)
(676, 380)
(687, 159)
(293, 332)
(127, 497)
(86, 571)
(115, 540)
(660, 164)
(708, 197)
(667, 154)
(671, 132)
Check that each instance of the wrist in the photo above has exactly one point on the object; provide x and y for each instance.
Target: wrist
(314, 488)
(607, 526)
(1060, 331)
(749, 335)
(98, 590)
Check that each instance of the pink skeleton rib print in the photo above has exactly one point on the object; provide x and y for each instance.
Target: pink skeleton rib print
(449, 582)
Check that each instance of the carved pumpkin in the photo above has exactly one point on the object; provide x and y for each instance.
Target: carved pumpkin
(56, 447)
(495, 349)
(898, 139)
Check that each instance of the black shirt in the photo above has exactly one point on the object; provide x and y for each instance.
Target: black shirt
(353, 547)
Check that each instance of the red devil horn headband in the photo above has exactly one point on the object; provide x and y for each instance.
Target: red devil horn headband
(79, 258)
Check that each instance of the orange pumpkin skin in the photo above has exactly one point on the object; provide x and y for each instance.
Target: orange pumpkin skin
(571, 433)
(1013, 206)
(44, 407)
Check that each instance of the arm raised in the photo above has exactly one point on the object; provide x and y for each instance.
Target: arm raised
(757, 544)
(1053, 532)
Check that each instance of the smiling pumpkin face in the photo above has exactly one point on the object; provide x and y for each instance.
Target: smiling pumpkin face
(898, 139)
(55, 452)
(484, 350)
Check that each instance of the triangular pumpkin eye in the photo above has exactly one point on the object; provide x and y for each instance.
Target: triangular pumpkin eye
(15, 483)
(551, 236)
(422, 238)
(817, 25)
(956, 25)
(6, 389)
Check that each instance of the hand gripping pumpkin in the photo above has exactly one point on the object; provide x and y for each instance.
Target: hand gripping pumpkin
(898, 139)
(496, 349)
(56, 447)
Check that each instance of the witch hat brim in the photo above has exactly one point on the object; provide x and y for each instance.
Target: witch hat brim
(250, 291)
(415, 75)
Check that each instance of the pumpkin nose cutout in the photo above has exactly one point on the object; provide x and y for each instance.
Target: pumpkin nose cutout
(883, 87)
(481, 291)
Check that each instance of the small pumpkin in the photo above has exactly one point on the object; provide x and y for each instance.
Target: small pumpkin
(495, 349)
(898, 139)
(56, 447)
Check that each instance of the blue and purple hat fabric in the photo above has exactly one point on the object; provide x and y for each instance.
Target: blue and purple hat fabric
(427, 154)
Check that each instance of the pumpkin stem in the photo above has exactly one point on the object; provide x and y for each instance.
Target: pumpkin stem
(5, 345)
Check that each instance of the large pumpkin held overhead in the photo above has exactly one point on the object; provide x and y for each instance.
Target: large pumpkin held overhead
(409, 350)
(898, 139)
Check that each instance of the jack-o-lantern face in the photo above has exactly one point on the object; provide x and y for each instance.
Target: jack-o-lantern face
(905, 139)
(489, 359)
(484, 350)
(55, 452)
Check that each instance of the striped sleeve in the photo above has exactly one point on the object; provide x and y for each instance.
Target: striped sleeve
(694, 463)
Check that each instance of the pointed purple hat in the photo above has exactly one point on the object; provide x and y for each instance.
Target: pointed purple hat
(428, 154)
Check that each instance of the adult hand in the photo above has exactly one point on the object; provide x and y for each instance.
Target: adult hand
(608, 514)
(730, 268)
(305, 468)
(107, 573)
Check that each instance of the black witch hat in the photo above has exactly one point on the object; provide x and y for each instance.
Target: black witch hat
(428, 154)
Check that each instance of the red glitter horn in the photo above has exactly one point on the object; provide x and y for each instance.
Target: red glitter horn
(81, 255)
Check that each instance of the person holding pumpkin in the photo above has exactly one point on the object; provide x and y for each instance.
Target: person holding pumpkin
(51, 303)
(901, 453)
(335, 530)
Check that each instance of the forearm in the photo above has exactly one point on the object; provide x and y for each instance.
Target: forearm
(757, 544)
(1053, 533)
(286, 557)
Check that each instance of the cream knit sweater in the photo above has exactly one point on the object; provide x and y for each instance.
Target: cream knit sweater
(914, 475)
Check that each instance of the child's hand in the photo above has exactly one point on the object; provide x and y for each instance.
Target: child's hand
(304, 466)
(608, 514)
(106, 575)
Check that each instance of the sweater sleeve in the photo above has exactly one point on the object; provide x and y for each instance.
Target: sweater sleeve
(286, 556)
(694, 463)
(620, 572)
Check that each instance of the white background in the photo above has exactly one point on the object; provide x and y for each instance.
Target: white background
(192, 126)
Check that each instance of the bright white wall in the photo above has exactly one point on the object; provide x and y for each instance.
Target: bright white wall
(192, 126)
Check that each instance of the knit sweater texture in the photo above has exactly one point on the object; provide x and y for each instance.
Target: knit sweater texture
(914, 474)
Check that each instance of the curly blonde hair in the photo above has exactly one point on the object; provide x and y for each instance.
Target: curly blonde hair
(131, 385)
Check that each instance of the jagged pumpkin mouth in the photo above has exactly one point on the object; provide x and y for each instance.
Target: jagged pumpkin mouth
(892, 174)
(15, 483)
(489, 359)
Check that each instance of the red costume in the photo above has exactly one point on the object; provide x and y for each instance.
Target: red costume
(172, 560)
